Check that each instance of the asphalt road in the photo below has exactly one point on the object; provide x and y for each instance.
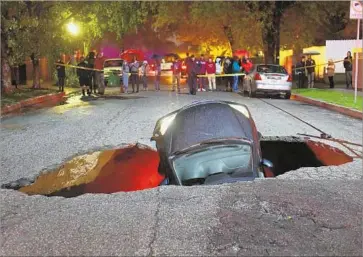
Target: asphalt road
(311, 211)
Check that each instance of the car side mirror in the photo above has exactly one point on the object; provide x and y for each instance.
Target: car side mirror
(267, 163)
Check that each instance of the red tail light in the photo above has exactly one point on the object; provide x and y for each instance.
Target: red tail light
(184, 67)
(258, 76)
(290, 78)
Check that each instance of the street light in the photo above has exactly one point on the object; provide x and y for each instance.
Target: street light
(73, 28)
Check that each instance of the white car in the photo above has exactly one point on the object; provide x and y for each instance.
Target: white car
(167, 62)
(269, 79)
(112, 66)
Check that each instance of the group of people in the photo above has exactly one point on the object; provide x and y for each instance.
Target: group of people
(306, 68)
(91, 77)
(202, 74)
(90, 74)
(136, 73)
(201, 71)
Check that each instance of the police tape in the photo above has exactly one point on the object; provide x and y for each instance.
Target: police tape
(312, 66)
(161, 75)
(221, 75)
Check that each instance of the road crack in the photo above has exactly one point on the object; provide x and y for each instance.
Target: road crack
(156, 224)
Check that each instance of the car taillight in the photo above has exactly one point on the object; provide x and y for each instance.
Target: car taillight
(289, 79)
(258, 76)
(184, 67)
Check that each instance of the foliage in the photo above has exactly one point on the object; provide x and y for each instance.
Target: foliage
(40, 27)
(226, 25)
(71, 78)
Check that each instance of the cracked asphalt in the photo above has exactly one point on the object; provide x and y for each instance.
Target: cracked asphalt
(311, 211)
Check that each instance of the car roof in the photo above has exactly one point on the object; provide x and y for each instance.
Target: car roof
(114, 59)
(268, 64)
(202, 102)
(205, 120)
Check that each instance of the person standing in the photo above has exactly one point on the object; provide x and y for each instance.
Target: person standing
(331, 71)
(176, 69)
(187, 64)
(192, 70)
(99, 76)
(202, 71)
(125, 77)
(211, 73)
(236, 68)
(218, 69)
(84, 77)
(61, 72)
(134, 69)
(300, 69)
(227, 69)
(246, 64)
(157, 74)
(310, 67)
(91, 65)
(348, 69)
(143, 75)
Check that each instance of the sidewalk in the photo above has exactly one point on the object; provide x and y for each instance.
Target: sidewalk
(67, 90)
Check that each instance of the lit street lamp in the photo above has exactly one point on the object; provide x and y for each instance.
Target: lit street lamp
(74, 30)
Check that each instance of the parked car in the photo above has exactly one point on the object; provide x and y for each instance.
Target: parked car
(112, 66)
(209, 142)
(167, 62)
(268, 79)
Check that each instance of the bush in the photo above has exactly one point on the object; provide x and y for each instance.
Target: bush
(71, 78)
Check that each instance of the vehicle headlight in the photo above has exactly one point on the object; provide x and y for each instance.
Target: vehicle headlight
(165, 123)
(241, 109)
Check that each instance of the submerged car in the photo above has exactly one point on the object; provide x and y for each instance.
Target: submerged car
(268, 79)
(209, 142)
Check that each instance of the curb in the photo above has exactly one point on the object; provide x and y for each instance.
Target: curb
(39, 101)
(333, 107)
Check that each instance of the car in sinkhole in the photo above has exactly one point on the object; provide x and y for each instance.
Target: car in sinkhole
(209, 142)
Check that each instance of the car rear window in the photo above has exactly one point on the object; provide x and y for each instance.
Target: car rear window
(113, 63)
(271, 69)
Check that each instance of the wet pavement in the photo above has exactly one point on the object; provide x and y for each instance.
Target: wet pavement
(170, 220)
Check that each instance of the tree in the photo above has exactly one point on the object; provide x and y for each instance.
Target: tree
(209, 24)
(13, 31)
(269, 14)
(35, 29)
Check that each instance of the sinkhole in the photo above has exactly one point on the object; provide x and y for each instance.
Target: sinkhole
(135, 167)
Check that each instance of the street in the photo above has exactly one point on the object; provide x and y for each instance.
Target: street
(293, 215)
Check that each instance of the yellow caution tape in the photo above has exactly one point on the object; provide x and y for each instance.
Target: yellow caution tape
(221, 75)
(312, 66)
(200, 76)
